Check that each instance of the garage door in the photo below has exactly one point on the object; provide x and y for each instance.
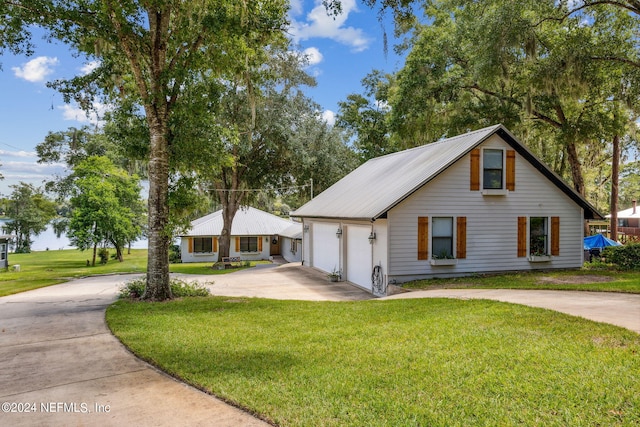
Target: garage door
(326, 250)
(359, 256)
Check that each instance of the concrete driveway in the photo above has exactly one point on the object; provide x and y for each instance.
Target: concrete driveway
(608, 307)
(282, 281)
(62, 367)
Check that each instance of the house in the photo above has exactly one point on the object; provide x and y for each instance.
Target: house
(475, 203)
(255, 235)
(628, 224)
(4, 251)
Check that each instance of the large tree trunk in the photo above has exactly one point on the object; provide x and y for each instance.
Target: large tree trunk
(158, 288)
(230, 199)
(576, 168)
(615, 171)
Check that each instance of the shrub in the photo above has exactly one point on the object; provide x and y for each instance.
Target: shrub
(175, 257)
(179, 288)
(625, 257)
(104, 255)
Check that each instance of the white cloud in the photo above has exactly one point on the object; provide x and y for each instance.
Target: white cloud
(329, 117)
(89, 67)
(94, 117)
(319, 24)
(21, 153)
(313, 55)
(36, 70)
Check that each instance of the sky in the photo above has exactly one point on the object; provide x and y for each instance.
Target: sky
(342, 51)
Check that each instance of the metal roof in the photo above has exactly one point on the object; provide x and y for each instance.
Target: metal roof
(248, 221)
(375, 187)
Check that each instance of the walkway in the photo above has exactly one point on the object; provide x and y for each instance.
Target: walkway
(608, 307)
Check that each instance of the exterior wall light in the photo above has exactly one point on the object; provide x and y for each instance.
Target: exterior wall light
(306, 228)
(372, 237)
(339, 232)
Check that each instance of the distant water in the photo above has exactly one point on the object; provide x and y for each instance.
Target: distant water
(47, 240)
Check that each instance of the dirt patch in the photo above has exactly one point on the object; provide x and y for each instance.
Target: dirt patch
(575, 280)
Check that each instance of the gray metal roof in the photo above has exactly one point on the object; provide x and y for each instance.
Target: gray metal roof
(248, 221)
(379, 184)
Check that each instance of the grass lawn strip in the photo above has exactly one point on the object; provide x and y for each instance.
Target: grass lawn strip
(392, 363)
(566, 280)
(45, 268)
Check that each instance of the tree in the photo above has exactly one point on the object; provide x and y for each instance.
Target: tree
(260, 111)
(365, 117)
(478, 63)
(151, 53)
(29, 212)
(105, 206)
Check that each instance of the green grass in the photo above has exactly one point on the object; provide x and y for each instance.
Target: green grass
(431, 362)
(45, 268)
(573, 280)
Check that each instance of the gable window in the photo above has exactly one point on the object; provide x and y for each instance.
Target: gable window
(492, 169)
(498, 171)
(442, 237)
(248, 244)
(202, 245)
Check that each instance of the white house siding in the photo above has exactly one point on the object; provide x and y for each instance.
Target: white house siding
(291, 253)
(491, 222)
(213, 257)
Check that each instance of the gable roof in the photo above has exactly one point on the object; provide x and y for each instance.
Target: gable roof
(633, 212)
(378, 185)
(248, 221)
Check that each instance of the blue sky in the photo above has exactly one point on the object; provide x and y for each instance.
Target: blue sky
(341, 51)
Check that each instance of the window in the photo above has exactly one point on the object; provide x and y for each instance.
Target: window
(202, 245)
(492, 169)
(248, 244)
(3, 251)
(442, 237)
(538, 236)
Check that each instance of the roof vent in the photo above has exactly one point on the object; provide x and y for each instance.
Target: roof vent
(634, 206)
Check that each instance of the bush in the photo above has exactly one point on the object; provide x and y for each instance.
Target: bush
(104, 255)
(175, 257)
(625, 257)
(179, 288)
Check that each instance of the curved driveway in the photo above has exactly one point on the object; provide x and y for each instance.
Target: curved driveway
(60, 363)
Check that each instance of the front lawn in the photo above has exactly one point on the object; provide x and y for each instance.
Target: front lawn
(427, 362)
(44, 268)
(571, 280)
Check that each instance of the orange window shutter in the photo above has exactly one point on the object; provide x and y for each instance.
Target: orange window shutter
(190, 245)
(522, 236)
(214, 244)
(461, 237)
(237, 244)
(475, 170)
(259, 243)
(423, 237)
(511, 170)
(555, 235)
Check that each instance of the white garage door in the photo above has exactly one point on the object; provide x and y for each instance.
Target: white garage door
(359, 256)
(326, 250)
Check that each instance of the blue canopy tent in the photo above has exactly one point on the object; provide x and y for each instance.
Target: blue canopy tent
(599, 241)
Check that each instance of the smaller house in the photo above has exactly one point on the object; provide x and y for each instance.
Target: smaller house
(4, 251)
(628, 224)
(255, 235)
